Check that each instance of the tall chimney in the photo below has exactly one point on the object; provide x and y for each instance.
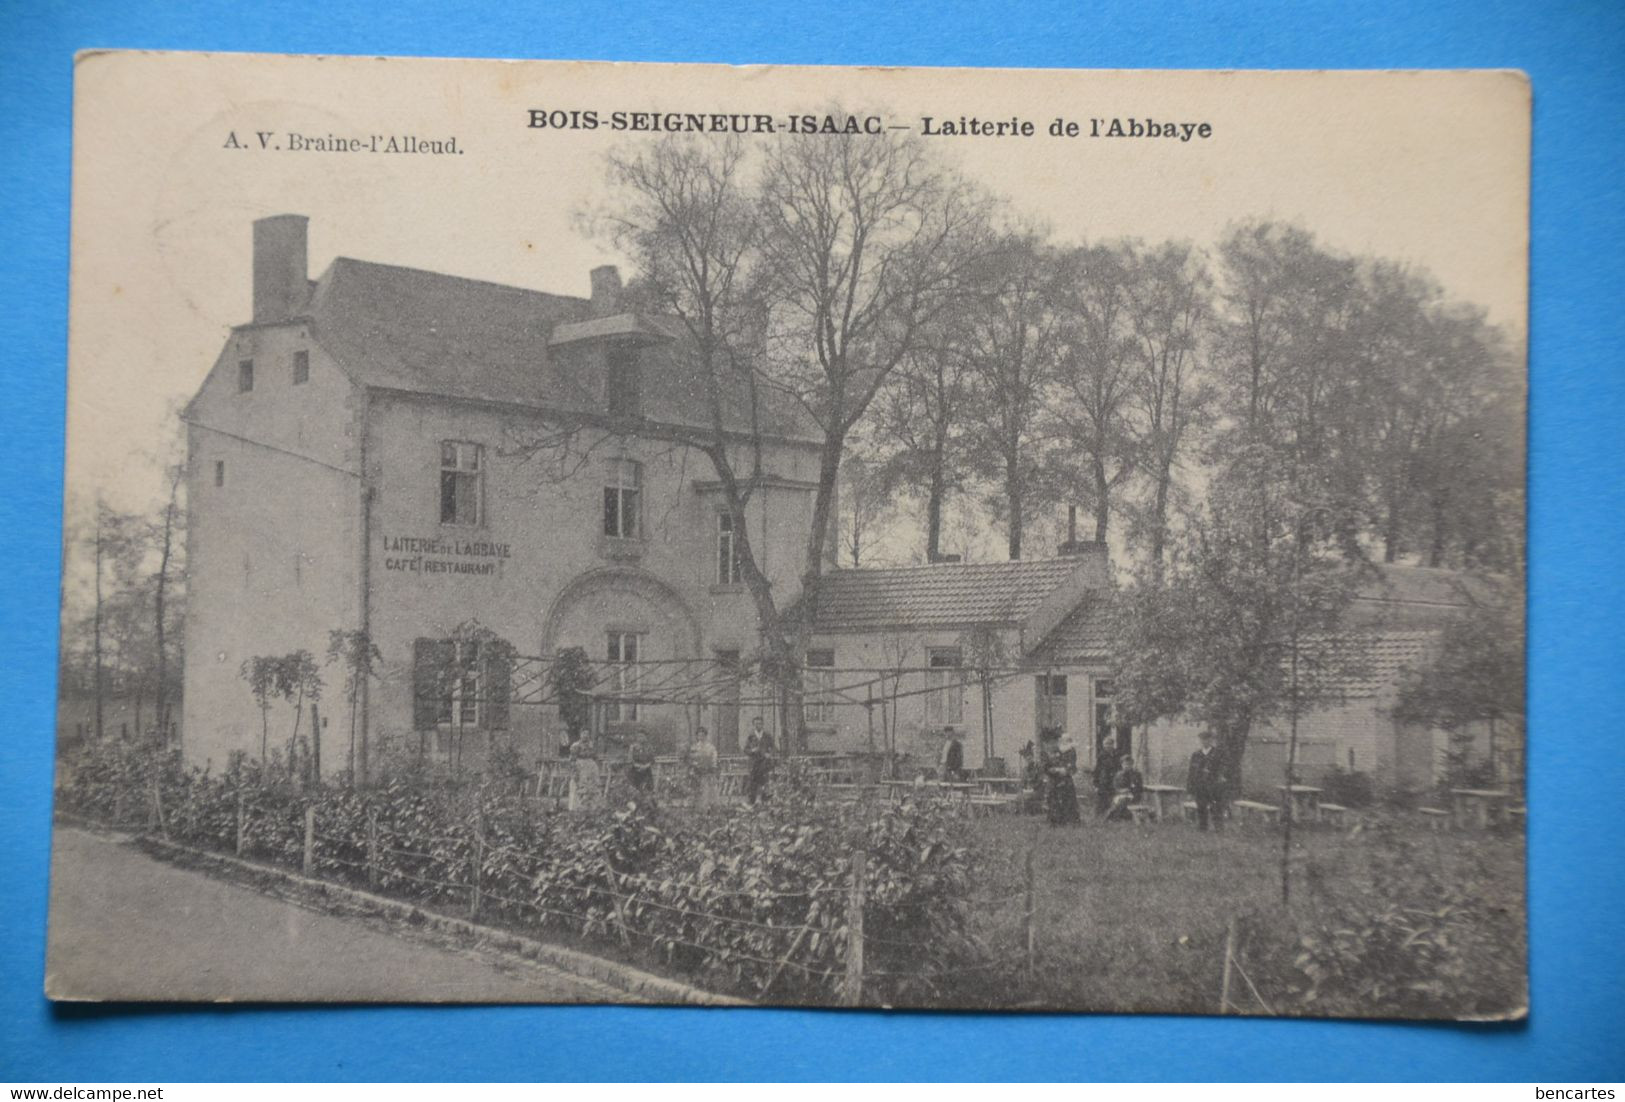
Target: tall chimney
(606, 290)
(280, 267)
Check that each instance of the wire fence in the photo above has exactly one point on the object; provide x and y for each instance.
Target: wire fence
(829, 936)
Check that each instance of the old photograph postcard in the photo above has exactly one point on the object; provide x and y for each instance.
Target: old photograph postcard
(587, 532)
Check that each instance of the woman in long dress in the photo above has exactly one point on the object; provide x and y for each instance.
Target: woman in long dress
(1060, 763)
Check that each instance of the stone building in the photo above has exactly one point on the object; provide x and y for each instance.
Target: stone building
(407, 453)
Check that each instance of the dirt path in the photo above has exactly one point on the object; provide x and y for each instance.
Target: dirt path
(127, 927)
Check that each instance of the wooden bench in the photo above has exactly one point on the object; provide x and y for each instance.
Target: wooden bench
(1332, 813)
(1437, 818)
(1255, 810)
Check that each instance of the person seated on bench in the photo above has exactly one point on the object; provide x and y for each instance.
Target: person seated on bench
(1128, 788)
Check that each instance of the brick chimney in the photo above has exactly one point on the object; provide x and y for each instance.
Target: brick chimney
(606, 290)
(280, 267)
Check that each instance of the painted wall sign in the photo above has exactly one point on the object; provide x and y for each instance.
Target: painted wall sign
(443, 555)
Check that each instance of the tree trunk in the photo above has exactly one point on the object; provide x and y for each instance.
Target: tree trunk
(1159, 525)
(933, 509)
(1012, 490)
(162, 701)
(1102, 499)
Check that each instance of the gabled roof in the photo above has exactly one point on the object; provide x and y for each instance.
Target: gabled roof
(1084, 637)
(427, 333)
(1365, 664)
(420, 332)
(942, 595)
(1419, 595)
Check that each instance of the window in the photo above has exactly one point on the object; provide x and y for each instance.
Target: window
(301, 367)
(623, 657)
(460, 684)
(621, 501)
(728, 572)
(945, 703)
(245, 376)
(818, 687)
(219, 472)
(623, 381)
(461, 489)
(1052, 701)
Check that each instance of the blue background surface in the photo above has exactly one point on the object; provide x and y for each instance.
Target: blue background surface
(1575, 54)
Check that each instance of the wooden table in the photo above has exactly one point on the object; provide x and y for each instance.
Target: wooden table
(999, 786)
(1305, 801)
(1160, 794)
(1477, 805)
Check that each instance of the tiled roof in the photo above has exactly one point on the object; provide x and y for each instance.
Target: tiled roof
(1363, 664)
(427, 333)
(1084, 637)
(939, 596)
(1419, 595)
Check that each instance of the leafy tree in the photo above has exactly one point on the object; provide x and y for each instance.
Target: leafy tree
(264, 676)
(1170, 394)
(1218, 639)
(359, 658)
(1476, 675)
(1011, 341)
(1096, 376)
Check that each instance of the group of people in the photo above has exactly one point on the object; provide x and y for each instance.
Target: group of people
(700, 758)
(1119, 784)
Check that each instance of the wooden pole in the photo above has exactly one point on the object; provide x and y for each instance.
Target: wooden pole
(852, 989)
(309, 864)
(315, 744)
(158, 807)
(474, 870)
(241, 823)
(372, 847)
(1229, 955)
(1029, 925)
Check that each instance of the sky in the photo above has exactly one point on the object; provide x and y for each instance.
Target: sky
(1426, 168)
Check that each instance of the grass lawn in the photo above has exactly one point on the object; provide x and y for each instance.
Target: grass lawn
(1134, 917)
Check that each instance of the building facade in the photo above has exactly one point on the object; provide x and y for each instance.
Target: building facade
(407, 454)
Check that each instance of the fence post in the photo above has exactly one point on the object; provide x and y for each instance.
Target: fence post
(310, 840)
(372, 847)
(1229, 955)
(852, 989)
(474, 871)
(241, 822)
(1029, 925)
(158, 808)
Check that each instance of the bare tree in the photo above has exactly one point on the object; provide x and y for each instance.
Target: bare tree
(866, 242)
(801, 284)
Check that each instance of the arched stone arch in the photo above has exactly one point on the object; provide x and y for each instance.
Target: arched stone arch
(621, 582)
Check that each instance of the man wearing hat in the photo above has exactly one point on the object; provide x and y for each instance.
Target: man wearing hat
(1207, 782)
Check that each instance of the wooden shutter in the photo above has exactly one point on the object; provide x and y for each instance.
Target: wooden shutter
(498, 685)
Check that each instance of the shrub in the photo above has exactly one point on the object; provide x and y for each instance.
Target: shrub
(752, 899)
